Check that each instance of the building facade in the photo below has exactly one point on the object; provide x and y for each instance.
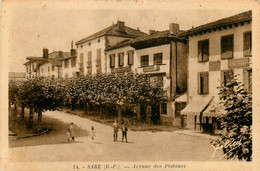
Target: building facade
(91, 50)
(50, 65)
(217, 51)
(162, 55)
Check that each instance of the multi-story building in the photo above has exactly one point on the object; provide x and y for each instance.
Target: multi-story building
(217, 51)
(50, 65)
(90, 50)
(162, 55)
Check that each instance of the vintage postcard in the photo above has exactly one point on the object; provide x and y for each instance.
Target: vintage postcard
(129, 85)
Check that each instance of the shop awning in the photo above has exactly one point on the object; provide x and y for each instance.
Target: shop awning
(215, 109)
(197, 106)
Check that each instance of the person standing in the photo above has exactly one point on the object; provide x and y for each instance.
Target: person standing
(72, 131)
(124, 133)
(68, 135)
(92, 133)
(115, 126)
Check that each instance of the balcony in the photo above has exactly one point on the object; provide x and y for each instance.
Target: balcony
(151, 69)
(121, 70)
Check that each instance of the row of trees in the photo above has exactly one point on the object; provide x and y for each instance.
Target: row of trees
(121, 90)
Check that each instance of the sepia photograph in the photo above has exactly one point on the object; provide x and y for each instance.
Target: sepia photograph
(128, 85)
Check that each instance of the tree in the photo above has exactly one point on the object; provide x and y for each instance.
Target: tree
(236, 124)
(39, 95)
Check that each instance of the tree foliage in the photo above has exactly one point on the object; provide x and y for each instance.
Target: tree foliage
(236, 124)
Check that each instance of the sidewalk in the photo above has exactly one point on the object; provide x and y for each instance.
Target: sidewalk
(196, 133)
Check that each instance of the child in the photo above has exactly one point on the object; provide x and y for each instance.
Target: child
(68, 135)
(92, 133)
(124, 132)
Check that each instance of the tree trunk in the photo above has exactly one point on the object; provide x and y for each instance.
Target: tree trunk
(39, 117)
(22, 112)
(119, 112)
(15, 110)
(30, 117)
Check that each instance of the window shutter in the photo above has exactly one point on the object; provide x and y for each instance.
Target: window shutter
(199, 50)
(112, 61)
(247, 44)
(130, 57)
(121, 59)
(205, 50)
(206, 83)
(227, 47)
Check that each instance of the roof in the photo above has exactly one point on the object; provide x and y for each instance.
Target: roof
(156, 39)
(113, 31)
(35, 58)
(235, 19)
(121, 44)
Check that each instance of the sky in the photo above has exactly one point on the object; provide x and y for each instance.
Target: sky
(32, 29)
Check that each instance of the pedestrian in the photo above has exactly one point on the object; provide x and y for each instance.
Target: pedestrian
(92, 132)
(115, 126)
(124, 133)
(68, 133)
(72, 131)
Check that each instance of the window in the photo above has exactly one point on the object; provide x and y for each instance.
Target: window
(27, 68)
(33, 66)
(90, 56)
(145, 61)
(227, 47)
(247, 44)
(52, 67)
(48, 69)
(121, 59)
(98, 40)
(52, 77)
(89, 44)
(226, 76)
(203, 50)
(130, 55)
(164, 108)
(203, 83)
(99, 53)
(247, 77)
(112, 60)
(73, 62)
(81, 60)
(157, 59)
(42, 70)
(66, 63)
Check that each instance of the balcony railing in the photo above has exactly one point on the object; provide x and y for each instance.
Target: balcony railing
(151, 69)
(121, 70)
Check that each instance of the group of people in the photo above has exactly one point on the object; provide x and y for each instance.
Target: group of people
(124, 131)
(71, 132)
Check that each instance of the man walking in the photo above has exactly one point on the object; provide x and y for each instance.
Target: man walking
(115, 126)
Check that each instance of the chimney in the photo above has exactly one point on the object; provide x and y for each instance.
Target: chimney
(120, 26)
(72, 51)
(174, 28)
(45, 54)
(60, 54)
(152, 32)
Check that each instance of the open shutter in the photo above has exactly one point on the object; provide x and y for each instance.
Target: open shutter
(205, 52)
(130, 57)
(200, 50)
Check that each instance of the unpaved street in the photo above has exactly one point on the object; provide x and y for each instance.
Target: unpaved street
(142, 146)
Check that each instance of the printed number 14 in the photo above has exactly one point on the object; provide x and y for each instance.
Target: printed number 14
(75, 166)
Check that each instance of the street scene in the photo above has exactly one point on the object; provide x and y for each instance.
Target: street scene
(104, 87)
(174, 146)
